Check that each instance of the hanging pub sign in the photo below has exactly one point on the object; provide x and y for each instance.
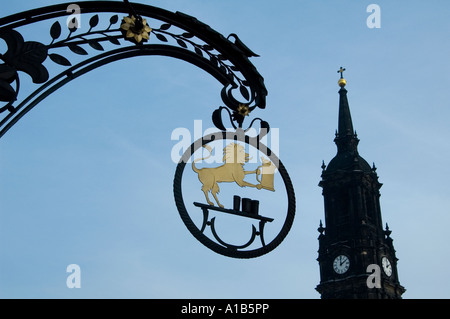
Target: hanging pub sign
(234, 195)
(232, 192)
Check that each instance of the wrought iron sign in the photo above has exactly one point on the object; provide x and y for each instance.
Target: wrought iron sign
(253, 225)
(121, 30)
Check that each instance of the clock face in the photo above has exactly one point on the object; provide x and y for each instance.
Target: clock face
(341, 264)
(387, 267)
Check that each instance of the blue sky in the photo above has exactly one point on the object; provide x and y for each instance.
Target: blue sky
(86, 176)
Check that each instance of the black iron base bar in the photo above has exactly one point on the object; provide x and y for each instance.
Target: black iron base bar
(233, 212)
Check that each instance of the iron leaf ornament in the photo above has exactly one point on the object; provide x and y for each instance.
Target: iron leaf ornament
(152, 30)
(25, 56)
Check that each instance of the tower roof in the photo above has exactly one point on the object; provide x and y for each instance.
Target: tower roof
(347, 157)
(345, 125)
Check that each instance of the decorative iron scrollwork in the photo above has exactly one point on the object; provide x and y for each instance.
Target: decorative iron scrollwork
(132, 30)
(159, 32)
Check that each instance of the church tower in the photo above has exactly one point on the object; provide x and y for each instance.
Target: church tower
(356, 255)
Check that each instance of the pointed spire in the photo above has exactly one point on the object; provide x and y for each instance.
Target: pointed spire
(345, 125)
(347, 157)
(346, 139)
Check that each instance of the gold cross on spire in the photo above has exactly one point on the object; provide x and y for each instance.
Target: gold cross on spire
(342, 82)
(341, 71)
